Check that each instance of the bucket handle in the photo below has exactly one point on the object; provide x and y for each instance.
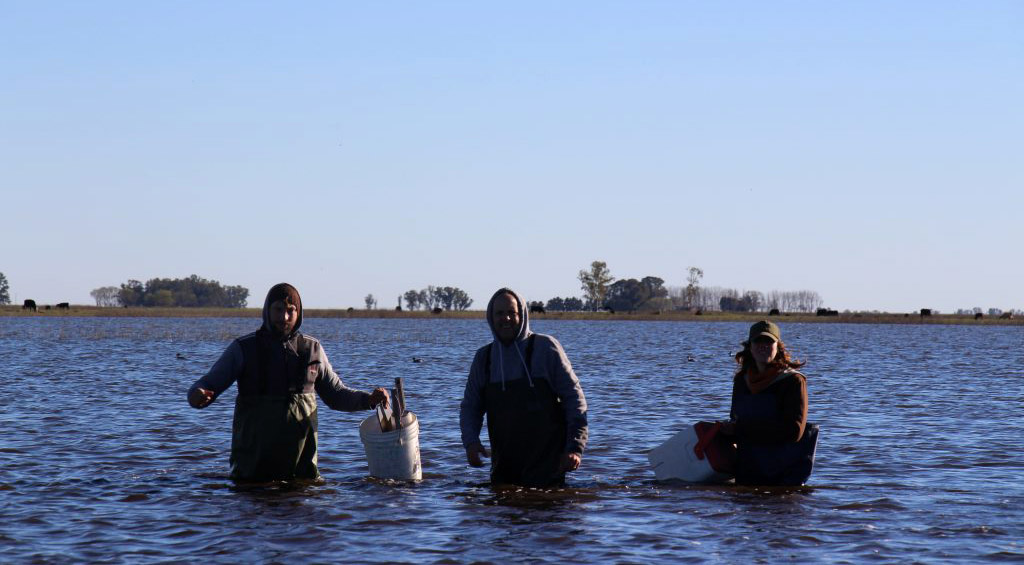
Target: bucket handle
(705, 440)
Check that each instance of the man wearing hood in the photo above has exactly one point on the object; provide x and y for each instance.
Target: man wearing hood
(274, 432)
(536, 411)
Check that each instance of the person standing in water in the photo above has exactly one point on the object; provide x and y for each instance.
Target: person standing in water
(768, 419)
(536, 411)
(274, 432)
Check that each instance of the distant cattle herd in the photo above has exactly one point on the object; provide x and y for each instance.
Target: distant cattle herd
(30, 304)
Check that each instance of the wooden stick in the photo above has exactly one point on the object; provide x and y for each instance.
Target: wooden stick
(399, 400)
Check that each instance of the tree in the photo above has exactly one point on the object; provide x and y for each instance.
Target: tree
(161, 298)
(693, 286)
(193, 291)
(625, 295)
(654, 287)
(632, 294)
(371, 302)
(555, 305)
(595, 283)
(462, 300)
(412, 299)
(573, 304)
(106, 296)
(236, 296)
(431, 297)
(752, 300)
(5, 290)
(132, 293)
(446, 295)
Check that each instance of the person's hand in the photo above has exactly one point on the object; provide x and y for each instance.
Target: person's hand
(728, 427)
(570, 461)
(380, 397)
(473, 454)
(200, 397)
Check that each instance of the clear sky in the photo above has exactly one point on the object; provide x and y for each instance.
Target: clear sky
(870, 151)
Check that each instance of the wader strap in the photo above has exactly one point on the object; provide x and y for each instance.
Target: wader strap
(303, 349)
(263, 359)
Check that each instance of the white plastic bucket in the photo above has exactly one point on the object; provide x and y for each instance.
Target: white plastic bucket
(676, 459)
(394, 454)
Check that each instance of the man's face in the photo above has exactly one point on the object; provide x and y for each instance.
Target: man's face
(505, 317)
(283, 317)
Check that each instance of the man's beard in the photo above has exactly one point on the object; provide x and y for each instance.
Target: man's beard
(282, 330)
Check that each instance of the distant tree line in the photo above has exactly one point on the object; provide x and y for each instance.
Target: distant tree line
(733, 300)
(601, 290)
(991, 311)
(193, 291)
(570, 304)
(432, 297)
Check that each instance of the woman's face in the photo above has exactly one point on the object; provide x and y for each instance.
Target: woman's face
(764, 350)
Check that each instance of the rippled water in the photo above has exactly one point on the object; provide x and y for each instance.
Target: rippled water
(920, 457)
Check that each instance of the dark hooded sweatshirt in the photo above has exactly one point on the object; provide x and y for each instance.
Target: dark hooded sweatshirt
(274, 432)
(531, 395)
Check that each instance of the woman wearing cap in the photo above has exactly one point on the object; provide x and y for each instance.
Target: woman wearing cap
(775, 443)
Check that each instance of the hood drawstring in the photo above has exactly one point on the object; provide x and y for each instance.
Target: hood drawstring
(501, 365)
(529, 379)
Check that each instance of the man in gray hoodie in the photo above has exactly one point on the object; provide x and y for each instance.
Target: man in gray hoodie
(274, 432)
(536, 411)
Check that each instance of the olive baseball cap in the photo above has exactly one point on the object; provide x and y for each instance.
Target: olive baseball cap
(764, 328)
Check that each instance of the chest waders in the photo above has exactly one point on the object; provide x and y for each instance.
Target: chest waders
(526, 427)
(781, 464)
(274, 431)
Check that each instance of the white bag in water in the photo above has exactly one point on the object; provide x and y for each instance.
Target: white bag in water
(677, 457)
(394, 454)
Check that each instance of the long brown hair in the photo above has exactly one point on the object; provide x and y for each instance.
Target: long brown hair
(782, 360)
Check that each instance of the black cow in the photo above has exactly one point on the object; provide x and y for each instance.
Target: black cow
(978, 316)
(29, 305)
(437, 310)
(774, 312)
(63, 306)
(926, 312)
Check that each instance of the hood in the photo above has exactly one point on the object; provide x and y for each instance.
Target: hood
(524, 315)
(277, 292)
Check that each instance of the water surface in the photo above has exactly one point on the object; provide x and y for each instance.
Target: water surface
(920, 456)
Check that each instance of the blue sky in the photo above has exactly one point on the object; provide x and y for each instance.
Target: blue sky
(870, 151)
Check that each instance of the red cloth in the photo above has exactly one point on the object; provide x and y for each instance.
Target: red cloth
(757, 382)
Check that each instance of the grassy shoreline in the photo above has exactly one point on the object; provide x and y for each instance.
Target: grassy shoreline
(673, 316)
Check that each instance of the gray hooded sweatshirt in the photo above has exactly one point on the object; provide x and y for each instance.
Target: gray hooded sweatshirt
(322, 377)
(508, 363)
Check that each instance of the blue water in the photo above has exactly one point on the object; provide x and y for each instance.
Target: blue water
(920, 457)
